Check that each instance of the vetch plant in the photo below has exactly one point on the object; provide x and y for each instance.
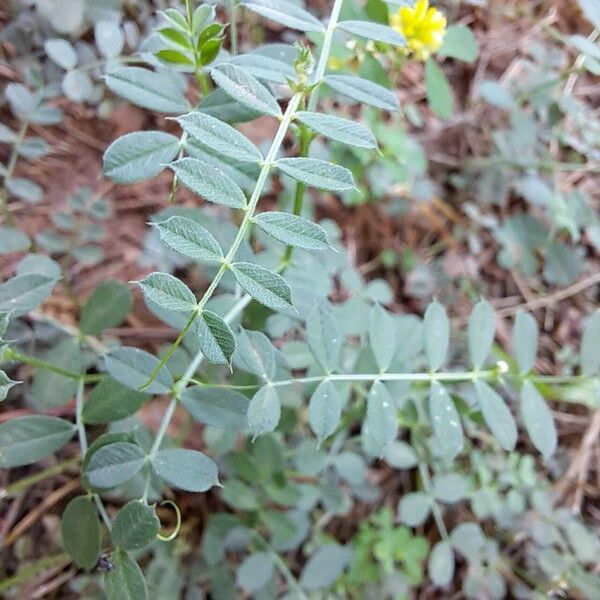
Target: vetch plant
(296, 394)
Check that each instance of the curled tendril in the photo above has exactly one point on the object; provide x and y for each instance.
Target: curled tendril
(173, 534)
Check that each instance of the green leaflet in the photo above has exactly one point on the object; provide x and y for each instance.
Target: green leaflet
(381, 419)
(25, 440)
(135, 527)
(362, 90)
(317, 173)
(168, 292)
(81, 531)
(209, 181)
(382, 336)
(338, 129)
(186, 469)
(125, 581)
(373, 31)
(263, 285)
(538, 420)
(111, 401)
(324, 410)
(215, 338)
(286, 13)
(140, 155)
(439, 92)
(25, 293)
(323, 336)
(263, 411)
(525, 341)
(480, 333)
(114, 464)
(133, 367)
(245, 89)
(216, 136)
(293, 230)
(255, 354)
(445, 420)
(222, 408)
(148, 89)
(436, 335)
(189, 238)
(497, 415)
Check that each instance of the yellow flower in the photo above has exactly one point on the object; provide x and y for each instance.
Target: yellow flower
(423, 27)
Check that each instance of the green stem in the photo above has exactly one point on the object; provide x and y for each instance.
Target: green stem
(10, 355)
(79, 417)
(26, 573)
(10, 167)
(22, 485)
(305, 139)
(295, 588)
(233, 24)
(436, 511)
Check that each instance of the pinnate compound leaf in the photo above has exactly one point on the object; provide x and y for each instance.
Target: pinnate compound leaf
(114, 464)
(381, 419)
(25, 440)
(264, 411)
(382, 336)
(135, 526)
(497, 415)
(186, 469)
(81, 532)
(255, 572)
(590, 345)
(440, 564)
(245, 89)
(286, 13)
(139, 155)
(323, 336)
(338, 129)
(215, 136)
(111, 401)
(293, 230)
(189, 238)
(436, 335)
(263, 285)
(208, 181)
(480, 333)
(525, 341)
(445, 421)
(373, 31)
(538, 420)
(215, 338)
(108, 305)
(168, 292)
(363, 90)
(324, 410)
(317, 173)
(222, 408)
(133, 367)
(125, 581)
(25, 293)
(148, 89)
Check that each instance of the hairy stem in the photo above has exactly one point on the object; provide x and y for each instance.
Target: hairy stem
(10, 167)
